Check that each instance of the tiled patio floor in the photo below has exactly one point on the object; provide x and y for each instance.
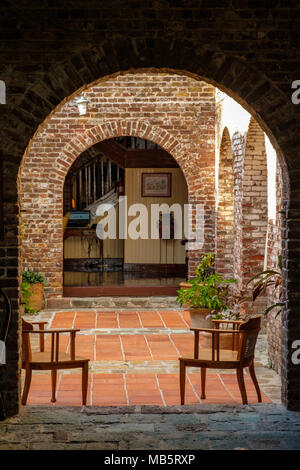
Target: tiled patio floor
(134, 361)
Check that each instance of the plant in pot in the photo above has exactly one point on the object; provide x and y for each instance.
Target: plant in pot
(204, 294)
(33, 284)
(206, 299)
(265, 280)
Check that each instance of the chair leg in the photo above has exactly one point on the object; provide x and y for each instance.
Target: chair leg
(85, 381)
(241, 382)
(53, 384)
(27, 383)
(203, 379)
(182, 381)
(254, 380)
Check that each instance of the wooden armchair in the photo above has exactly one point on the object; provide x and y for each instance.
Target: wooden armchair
(5, 318)
(241, 354)
(53, 360)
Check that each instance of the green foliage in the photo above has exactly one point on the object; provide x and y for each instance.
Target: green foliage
(33, 277)
(207, 289)
(26, 295)
(266, 279)
(204, 269)
(30, 277)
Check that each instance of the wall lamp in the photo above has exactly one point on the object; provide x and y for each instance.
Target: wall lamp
(82, 103)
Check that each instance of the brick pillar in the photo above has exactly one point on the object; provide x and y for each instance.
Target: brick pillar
(254, 207)
(238, 148)
(9, 374)
(225, 209)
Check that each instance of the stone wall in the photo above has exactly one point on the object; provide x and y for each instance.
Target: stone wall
(247, 48)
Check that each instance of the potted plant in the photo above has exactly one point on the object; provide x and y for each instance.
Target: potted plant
(33, 284)
(205, 294)
(266, 279)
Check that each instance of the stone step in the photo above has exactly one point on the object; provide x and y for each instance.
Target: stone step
(153, 302)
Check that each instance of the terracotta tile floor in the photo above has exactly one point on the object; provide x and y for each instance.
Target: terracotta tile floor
(150, 342)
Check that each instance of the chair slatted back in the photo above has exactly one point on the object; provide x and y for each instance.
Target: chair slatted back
(249, 330)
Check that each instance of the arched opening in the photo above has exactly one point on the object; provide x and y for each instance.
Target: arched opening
(183, 127)
(129, 175)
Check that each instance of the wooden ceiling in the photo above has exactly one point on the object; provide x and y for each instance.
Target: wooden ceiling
(135, 158)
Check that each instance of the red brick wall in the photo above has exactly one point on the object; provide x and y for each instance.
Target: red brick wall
(238, 146)
(251, 207)
(176, 112)
(225, 208)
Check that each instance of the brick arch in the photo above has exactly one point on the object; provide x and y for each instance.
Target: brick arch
(225, 208)
(111, 129)
(45, 179)
(233, 76)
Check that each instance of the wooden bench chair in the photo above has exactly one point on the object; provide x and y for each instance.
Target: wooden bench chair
(241, 355)
(53, 360)
(5, 318)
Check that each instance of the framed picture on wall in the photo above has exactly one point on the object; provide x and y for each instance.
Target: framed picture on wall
(156, 184)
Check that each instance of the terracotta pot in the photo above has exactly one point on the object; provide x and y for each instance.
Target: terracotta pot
(36, 301)
(198, 318)
(185, 285)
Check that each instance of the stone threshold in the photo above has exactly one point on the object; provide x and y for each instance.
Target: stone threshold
(163, 302)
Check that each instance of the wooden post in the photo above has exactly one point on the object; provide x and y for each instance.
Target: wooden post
(86, 186)
(80, 189)
(102, 177)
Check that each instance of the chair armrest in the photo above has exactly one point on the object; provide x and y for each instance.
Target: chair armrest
(236, 322)
(57, 330)
(38, 322)
(216, 331)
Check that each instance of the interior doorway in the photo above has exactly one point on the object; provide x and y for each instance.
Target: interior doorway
(122, 168)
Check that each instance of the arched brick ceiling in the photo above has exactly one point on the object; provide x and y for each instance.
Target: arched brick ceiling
(49, 51)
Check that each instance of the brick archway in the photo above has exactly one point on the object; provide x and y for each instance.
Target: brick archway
(64, 136)
(270, 117)
(65, 151)
(52, 202)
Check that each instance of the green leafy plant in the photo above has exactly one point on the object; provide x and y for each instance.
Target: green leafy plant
(30, 277)
(33, 277)
(268, 279)
(26, 295)
(208, 289)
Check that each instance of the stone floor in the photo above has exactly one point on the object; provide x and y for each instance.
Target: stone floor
(201, 427)
(134, 361)
(220, 422)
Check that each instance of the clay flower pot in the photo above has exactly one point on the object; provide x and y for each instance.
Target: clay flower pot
(185, 285)
(199, 320)
(37, 299)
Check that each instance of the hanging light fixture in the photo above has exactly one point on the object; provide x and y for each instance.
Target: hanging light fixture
(81, 102)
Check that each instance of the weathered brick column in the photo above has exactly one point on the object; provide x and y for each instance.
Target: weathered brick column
(225, 209)
(251, 213)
